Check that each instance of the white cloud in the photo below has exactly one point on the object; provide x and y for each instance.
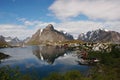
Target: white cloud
(37, 24)
(19, 31)
(93, 9)
(112, 25)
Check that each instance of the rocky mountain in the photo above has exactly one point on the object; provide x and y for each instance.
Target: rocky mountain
(13, 41)
(8, 39)
(49, 34)
(26, 40)
(100, 35)
(3, 43)
(67, 35)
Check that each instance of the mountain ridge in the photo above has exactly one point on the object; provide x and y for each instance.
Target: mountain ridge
(100, 35)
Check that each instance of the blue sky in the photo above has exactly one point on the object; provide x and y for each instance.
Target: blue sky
(18, 17)
(10, 10)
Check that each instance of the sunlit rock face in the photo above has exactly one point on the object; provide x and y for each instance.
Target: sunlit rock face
(49, 34)
(48, 53)
(100, 35)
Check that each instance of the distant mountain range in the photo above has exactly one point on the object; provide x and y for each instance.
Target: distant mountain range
(8, 41)
(100, 35)
(49, 34)
(13, 41)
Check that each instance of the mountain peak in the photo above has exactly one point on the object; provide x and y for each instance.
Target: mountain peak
(49, 27)
(100, 35)
(49, 34)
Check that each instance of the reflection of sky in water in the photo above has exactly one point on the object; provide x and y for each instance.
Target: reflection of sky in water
(69, 59)
(28, 59)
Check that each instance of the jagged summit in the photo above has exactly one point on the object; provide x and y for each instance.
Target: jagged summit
(49, 34)
(100, 35)
(49, 27)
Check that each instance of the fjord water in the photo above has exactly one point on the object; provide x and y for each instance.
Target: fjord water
(42, 60)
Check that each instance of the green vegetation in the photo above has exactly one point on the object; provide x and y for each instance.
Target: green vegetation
(109, 66)
(32, 43)
(71, 75)
(8, 73)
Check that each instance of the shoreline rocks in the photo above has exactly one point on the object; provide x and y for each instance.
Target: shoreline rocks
(3, 56)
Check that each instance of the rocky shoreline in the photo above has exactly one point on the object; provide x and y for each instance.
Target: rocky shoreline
(3, 56)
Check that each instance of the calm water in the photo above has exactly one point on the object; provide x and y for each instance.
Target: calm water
(42, 60)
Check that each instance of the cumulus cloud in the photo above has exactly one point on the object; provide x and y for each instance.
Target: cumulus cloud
(93, 9)
(15, 30)
(36, 23)
(112, 25)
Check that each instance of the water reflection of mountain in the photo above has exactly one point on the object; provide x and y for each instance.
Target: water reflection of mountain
(48, 53)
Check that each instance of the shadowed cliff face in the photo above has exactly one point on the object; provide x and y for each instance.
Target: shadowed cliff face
(2, 41)
(48, 53)
(49, 34)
